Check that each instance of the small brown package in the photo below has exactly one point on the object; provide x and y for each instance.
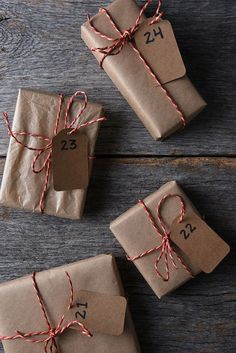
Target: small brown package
(36, 113)
(136, 233)
(134, 81)
(20, 309)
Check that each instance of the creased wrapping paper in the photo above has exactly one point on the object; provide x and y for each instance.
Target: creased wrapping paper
(135, 233)
(133, 81)
(36, 112)
(19, 308)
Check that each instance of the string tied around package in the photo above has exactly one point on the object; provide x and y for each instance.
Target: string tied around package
(48, 336)
(165, 249)
(127, 37)
(44, 153)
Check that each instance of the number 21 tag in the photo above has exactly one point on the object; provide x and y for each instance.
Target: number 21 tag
(99, 312)
(70, 160)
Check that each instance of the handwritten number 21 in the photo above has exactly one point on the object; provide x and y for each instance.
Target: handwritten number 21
(81, 313)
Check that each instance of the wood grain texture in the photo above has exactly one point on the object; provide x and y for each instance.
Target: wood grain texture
(198, 317)
(40, 47)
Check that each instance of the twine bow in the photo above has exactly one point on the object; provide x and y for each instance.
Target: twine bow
(48, 337)
(126, 37)
(45, 152)
(166, 250)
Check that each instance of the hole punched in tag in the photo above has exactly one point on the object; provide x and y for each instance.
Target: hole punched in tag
(70, 160)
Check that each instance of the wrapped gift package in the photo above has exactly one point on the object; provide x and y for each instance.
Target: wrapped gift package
(137, 228)
(20, 312)
(159, 105)
(36, 114)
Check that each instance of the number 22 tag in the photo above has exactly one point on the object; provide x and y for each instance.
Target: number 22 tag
(70, 160)
(199, 242)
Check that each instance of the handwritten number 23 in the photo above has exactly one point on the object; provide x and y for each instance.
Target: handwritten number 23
(189, 229)
(68, 145)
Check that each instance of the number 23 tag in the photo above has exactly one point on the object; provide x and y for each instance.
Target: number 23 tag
(70, 160)
(199, 242)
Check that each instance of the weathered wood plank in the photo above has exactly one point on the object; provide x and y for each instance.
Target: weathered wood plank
(40, 47)
(198, 317)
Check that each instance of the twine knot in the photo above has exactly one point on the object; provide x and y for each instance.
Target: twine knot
(128, 34)
(52, 333)
(166, 238)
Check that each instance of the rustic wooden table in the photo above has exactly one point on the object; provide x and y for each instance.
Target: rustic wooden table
(40, 47)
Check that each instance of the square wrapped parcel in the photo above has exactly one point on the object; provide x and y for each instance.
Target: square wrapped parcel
(168, 240)
(134, 230)
(35, 115)
(20, 310)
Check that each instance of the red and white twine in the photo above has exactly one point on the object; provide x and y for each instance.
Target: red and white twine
(48, 336)
(46, 150)
(166, 250)
(126, 37)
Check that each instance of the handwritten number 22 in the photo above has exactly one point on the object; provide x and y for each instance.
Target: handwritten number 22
(68, 145)
(189, 229)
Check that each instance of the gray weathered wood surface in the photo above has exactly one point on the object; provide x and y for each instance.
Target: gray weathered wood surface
(40, 47)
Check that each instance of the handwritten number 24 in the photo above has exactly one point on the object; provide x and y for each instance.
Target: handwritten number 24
(151, 36)
(189, 229)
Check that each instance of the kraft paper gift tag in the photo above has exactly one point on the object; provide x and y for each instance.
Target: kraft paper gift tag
(70, 160)
(20, 310)
(136, 234)
(158, 46)
(99, 312)
(199, 242)
(128, 73)
(36, 112)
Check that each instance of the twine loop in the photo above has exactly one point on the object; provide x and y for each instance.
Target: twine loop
(165, 249)
(44, 153)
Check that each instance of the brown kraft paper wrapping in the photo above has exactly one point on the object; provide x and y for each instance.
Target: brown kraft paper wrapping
(132, 79)
(136, 234)
(20, 310)
(36, 112)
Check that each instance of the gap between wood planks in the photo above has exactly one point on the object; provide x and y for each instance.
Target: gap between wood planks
(219, 161)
